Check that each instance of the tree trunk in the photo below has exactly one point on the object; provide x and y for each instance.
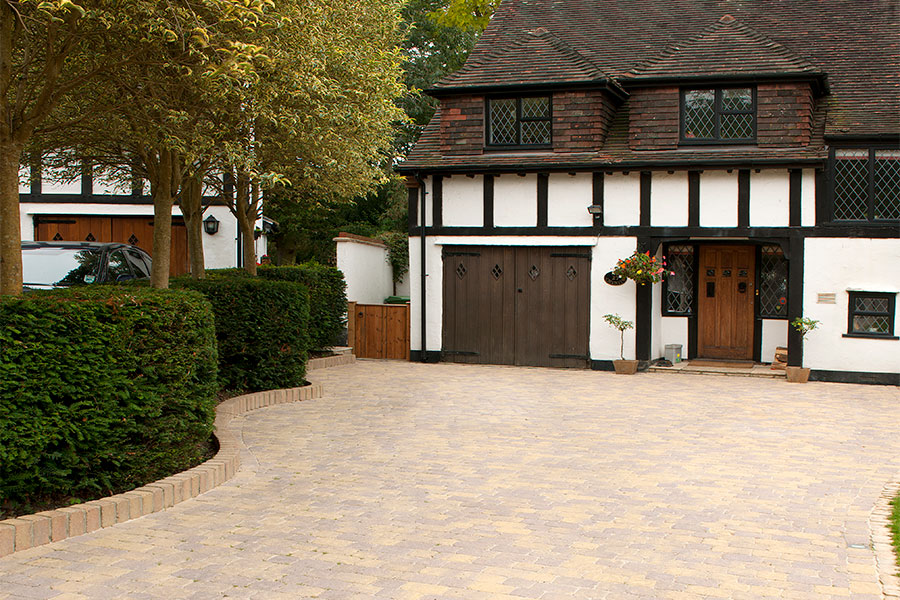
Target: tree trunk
(192, 209)
(244, 209)
(10, 228)
(163, 200)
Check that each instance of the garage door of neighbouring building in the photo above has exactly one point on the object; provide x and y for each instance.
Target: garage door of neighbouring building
(137, 231)
(517, 305)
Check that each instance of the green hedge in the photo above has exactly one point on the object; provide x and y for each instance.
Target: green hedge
(327, 298)
(261, 328)
(102, 389)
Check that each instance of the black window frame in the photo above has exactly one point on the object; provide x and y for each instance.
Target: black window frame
(891, 314)
(519, 120)
(719, 111)
(870, 167)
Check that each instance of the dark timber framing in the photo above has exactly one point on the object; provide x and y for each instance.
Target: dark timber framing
(743, 198)
(543, 186)
(693, 198)
(795, 196)
(646, 182)
(437, 201)
(597, 196)
(488, 202)
(795, 299)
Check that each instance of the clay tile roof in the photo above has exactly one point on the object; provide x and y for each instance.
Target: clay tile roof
(727, 48)
(532, 57)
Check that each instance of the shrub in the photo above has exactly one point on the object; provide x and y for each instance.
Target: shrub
(102, 389)
(261, 328)
(327, 298)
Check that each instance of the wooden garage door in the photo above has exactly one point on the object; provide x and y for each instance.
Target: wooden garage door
(516, 305)
(137, 231)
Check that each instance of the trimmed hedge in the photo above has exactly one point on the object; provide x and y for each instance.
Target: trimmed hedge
(102, 389)
(261, 328)
(327, 298)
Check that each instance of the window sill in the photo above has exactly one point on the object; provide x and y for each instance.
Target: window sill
(871, 336)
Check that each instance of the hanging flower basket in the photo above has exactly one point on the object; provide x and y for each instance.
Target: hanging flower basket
(642, 268)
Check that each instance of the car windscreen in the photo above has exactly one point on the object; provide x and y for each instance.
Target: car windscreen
(60, 266)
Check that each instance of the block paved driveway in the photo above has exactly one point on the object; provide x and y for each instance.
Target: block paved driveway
(411, 481)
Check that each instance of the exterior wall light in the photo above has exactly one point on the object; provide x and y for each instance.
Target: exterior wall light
(211, 225)
(595, 209)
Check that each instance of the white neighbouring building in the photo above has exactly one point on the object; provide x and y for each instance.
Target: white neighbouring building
(92, 209)
(756, 151)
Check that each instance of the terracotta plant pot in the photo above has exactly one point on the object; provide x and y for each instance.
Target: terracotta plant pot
(625, 367)
(797, 374)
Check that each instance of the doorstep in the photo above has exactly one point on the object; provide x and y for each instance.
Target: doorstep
(708, 367)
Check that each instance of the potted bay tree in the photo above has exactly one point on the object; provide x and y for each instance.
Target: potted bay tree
(622, 366)
(804, 325)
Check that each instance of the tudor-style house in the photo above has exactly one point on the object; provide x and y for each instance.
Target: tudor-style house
(754, 145)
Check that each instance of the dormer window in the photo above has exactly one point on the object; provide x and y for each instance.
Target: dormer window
(718, 115)
(519, 122)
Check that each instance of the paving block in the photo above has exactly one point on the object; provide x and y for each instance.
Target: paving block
(40, 529)
(7, 538)
(59, 524)
(77, 521)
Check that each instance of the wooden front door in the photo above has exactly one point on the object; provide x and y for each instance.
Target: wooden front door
(517, 305)
(137, 231)
(725, 302)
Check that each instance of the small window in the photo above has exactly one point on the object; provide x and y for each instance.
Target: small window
(514, 122)
(866, 184)
(678, 287)
(871, 314)
(118, 269)
(137, 264)
(718, 115)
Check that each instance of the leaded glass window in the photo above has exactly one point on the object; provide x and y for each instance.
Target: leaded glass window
(871, 314)
(773, 283)
(866, 185)
(519, 121)
(679, 285)
(718, 115)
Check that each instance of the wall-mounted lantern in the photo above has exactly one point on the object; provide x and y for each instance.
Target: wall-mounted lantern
(211, 225)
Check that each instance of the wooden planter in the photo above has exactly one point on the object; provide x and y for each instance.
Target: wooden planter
(625, 367)
(796, 374)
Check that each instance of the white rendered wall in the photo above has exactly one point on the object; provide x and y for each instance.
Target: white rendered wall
(434, 291)
(219, 250)
(429, 205)
(107, 185)
(808, 198)
(656, 343)
(606, 299)
(718, 199)
(463, 201)
(769, 198)
(622, 199)
(515, 201)
(568, 198)
(836, 266)
(669, 199)
(774, 334)
(674, 330)
(366, 270)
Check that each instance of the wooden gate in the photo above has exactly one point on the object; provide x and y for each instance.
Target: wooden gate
(137, 231)
(378, 330)
(517, 305)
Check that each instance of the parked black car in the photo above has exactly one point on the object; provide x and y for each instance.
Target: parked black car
(62, 264)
